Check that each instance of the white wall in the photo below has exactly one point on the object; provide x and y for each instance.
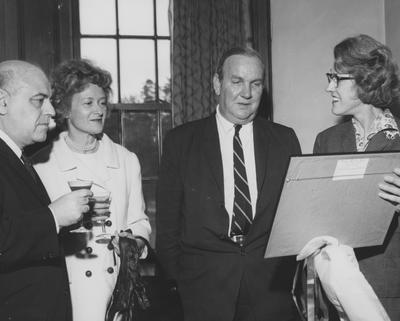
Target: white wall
(392, 23)
(304, 33)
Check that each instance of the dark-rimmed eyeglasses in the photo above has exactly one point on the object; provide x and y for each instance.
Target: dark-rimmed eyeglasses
(335, 77)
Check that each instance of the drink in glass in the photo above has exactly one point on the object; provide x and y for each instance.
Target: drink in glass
(100, 205)
(75, 185)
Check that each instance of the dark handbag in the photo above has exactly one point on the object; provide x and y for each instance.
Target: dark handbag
(129, 292)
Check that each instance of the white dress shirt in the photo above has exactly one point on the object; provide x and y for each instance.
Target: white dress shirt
(226, 131)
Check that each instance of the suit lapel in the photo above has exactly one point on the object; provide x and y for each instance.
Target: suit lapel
(260, 153)
(41, 190)
(348, 138)
(18, 168)
(212, 152)
(271, 163)
(264, 166)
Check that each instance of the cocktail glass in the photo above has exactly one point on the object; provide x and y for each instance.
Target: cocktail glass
(75, 185)
(100, 212)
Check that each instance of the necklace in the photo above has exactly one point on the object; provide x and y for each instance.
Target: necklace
(82, 149)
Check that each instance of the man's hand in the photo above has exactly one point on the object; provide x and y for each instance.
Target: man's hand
(390, 188)
(69, 208)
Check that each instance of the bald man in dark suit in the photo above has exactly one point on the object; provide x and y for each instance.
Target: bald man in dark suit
(33, 278)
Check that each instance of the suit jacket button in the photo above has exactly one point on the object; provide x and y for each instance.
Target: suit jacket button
(88, 273)
(110, 270)
(108, 223)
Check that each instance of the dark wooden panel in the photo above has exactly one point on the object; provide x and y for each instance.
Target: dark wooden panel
(8, 30)
(40, 31)
(68, 24)
(261, 28)
(39, 27)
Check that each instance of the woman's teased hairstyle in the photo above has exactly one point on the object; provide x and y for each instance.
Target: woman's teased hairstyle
(71, 77)
(372, 65)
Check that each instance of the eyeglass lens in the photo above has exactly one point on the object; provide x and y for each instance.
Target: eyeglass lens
(332, 76)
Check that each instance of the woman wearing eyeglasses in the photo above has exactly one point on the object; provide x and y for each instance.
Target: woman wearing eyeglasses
(364, 86)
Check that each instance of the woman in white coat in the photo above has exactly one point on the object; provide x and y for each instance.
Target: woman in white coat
(84, 152)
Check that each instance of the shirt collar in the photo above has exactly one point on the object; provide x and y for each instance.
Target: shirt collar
(383, 122)
(227, 126)
(10, 143)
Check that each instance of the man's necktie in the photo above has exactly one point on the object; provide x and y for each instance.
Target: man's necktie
(28, 165)
(242, 211)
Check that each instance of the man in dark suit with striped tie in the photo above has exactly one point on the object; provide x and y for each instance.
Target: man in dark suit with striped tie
(33, 278)
(218, 188)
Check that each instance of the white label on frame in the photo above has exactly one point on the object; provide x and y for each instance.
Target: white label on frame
(350, 169)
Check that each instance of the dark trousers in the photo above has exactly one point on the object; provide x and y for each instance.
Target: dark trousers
(244, 310)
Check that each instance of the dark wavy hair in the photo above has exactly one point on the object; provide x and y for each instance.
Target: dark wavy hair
(241, 51)
(71, 77)
(373, 68)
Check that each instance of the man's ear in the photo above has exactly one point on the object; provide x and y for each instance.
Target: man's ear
(3, 101)
(217, 84)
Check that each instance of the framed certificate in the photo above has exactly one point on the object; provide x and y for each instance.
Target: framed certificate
(335, 195)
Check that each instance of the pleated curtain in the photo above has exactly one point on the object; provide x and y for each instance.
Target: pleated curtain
(201, 31)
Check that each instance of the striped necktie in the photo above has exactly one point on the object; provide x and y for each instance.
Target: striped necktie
(242, 211)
